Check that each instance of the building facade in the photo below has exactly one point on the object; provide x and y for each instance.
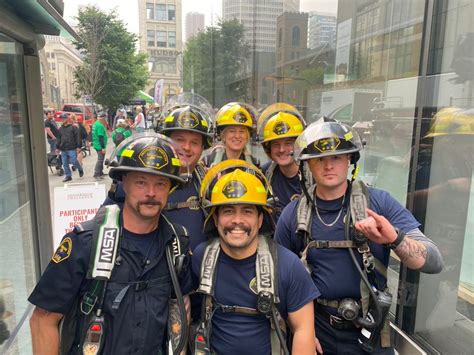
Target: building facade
(61, 60)
(259, 18)
(194, 24)
(322, 30)
(160, 31)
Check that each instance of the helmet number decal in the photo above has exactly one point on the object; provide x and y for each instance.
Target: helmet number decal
(234, 189)
(327, 144)
(153, 157)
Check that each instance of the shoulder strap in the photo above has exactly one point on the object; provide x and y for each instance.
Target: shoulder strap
(208, 267)
(105, 242)
(270, 170)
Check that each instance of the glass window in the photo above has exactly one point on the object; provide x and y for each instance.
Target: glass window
(150, 11)
(172, 39)
(295, 37)
(150, 37)
(161, 38)
(171, 13)
(17, 262)
(160, 12)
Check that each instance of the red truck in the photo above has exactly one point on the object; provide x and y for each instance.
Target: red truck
(80, 110)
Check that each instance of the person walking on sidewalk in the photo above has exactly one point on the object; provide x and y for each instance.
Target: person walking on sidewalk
(99, 142)
(69, 143)
(51, 129)
(139, 123)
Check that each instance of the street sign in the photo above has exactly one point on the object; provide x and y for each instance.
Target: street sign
(73, 204)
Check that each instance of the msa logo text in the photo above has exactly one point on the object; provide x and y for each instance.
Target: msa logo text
(108, 245)
(265, 272)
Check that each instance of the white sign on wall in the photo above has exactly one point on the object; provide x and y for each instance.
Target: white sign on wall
(73, 204)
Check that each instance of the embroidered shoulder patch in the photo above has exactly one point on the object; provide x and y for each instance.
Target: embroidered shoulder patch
(64, 251)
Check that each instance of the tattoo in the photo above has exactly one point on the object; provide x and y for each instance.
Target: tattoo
(174, 323)
(409, 249)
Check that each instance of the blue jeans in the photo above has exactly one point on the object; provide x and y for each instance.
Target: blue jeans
(70, 157)
(52, 145)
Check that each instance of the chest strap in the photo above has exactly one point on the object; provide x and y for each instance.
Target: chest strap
(267, 290)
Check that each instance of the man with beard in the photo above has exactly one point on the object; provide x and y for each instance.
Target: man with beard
(125, 311)
(250, 286)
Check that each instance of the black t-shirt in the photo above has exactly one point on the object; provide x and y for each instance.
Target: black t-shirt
(52, 126)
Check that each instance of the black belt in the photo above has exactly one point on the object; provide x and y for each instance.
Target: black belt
(334, 321)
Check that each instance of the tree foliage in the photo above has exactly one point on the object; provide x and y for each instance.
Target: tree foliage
(214, 63)
(111, 73)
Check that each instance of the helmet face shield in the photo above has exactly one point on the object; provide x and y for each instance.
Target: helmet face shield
(326, 138)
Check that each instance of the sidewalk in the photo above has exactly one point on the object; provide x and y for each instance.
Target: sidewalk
(88, 166)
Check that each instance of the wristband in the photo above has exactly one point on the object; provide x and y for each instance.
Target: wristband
(400, 236)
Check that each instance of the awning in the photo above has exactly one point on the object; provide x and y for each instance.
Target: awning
(44, 18)
(143, 96)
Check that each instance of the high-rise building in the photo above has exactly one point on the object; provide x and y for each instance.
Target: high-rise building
(259, 18)
(160, 33)
(322, 30)
(193, 25)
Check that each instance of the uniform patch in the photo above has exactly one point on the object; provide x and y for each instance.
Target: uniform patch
(234, 189)
(240, 117)
(253, 285)
(188, 120)
(327, 144)
(281, 128)
(153, 157)
(64, 251)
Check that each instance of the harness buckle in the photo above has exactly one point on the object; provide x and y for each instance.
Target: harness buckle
(336, 321)
(322, 244)
(141, 285)
(88, 302)
(228, 309)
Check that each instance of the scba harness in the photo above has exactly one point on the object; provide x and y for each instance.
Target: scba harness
(105, 256)
(217, 156)
(267, 296)
(374, 303)
(196, 178)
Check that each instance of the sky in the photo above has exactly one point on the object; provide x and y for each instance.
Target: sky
(212, 9)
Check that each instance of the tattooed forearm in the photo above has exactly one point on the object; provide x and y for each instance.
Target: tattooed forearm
(412, 253)
(174, 323)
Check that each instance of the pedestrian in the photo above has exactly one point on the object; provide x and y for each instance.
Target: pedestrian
(234, 125)
(69, 143)
(83, 134)
(121, 132)
(120, 305)
(337, 224)
(251, 286)
(139, 123)
(99, 142)
(52, 131)
(278, 129)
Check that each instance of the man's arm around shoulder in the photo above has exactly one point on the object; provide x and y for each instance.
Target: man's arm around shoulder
(44, 327)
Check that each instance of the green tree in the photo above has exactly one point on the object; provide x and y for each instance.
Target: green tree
(214, 62)
(111, 73)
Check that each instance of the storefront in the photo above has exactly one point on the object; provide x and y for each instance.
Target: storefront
(25, 217)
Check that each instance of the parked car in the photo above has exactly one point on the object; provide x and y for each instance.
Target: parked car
(84, 113)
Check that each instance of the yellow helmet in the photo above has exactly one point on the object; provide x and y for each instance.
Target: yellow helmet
(452, 121)
(282, 125)
(236, 114)
(233, 182)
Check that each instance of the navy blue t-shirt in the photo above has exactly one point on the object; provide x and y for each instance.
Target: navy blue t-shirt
(285, 189)
(236, 333)
(332, 270)
(139, 323)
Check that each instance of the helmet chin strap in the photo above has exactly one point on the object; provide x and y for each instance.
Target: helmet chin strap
(354, 172)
